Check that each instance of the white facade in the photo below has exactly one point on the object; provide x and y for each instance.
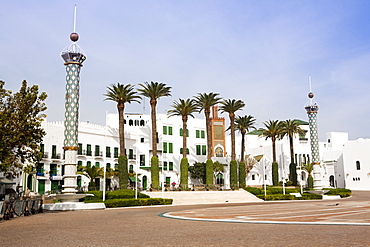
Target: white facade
(344, 163)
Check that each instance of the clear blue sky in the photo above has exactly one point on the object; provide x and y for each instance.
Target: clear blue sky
(259, 51)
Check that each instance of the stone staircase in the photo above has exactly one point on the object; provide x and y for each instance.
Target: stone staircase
(205, 197)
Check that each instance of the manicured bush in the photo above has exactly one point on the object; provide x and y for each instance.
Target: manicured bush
(338, 191)
(122, 172)
(277, 197)
(309, 196)
(242, 175)
(209, 172)
(155, 172)
(275, 173)
(184, 173)
(293, 173)
(233, 174)
(117, 194)
(113, 203)
(310, 182)
(254, 190)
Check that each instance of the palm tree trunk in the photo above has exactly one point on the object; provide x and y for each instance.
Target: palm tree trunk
(291, 150)
(243, 148)
(232, 129)
(153, 104)
(207, 113)
(184, 136)
(273, 150)
(121, 130)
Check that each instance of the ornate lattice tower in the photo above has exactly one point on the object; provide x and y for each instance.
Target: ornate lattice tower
(312, 108)
(73, 57)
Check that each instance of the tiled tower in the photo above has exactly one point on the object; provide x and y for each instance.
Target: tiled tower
(312, 108)
(73, 57)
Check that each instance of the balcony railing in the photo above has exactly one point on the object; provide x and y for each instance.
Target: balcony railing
(98, 153)
(56, 156)
(132, 157)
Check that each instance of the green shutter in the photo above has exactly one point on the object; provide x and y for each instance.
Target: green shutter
(198, 149)
(165, 165)
(170, 166)
(197, 134)
(181, 132)
(164, 147)
(97, 164)
(202, 134)
(170, 131)
(164, 130)
(170, 148)
(204, 150)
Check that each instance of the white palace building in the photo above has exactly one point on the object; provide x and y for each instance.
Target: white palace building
(344, 163)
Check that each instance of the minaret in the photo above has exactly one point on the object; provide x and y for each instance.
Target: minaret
(73, 57)
(312, 108)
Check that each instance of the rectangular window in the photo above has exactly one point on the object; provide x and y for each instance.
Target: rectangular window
(170, 148)
(79, 151)
(197, 133)
(164, 130)
(253, 177)
(107, 152)
(204, 150)
(168, 181)
(131, 154)
(170, 131)
(88, 150)
(54, 152)
(97, 150)
(202, 134)
(170, 166)
(40, 169)
(164, 165)
(116, 167)
(142, 159)
(164, 147)
(198, 147)
(88, 164)
(79, 163)
(115, 152)
(107, 166)
(53, 169)
(142, 140)
(97, 164)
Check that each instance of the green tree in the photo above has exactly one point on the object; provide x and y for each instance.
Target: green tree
(291, 128)
(243, 124)
(273, 130)
(198, 171)
(183, 108)
(91, 173)
(122, 94)
(204, 102)
(309, 169)
(21, 115)
(154, 91)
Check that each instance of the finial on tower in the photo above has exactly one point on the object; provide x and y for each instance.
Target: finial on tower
(74, 35)
(311, 105)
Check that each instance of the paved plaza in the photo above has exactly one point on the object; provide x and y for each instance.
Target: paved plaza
(341, 222)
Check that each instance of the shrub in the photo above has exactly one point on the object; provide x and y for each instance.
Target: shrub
(242, 175)
(184, 173)
(233, 174)
(253, 190)
(293, 173)
(275, 173)
(209, 172)
(277, 197)
(117, 194)
(309, 196)
(310, 182)
(122, 172)
(155, 172)
(338, 191)
(113, 203)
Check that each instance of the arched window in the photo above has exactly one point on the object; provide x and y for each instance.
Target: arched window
(130, 122)
(358, 165)
(88, 164)
(142, 123)
(131, 169)
(136, 122)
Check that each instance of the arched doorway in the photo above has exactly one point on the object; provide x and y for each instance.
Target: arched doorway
(220, 179)
(331, 181)
(145, 182)
(29, 182)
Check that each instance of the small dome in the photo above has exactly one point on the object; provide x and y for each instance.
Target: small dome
(74, 37)
(311, 95)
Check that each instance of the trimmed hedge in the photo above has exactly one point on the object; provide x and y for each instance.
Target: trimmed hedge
(122, 172)
(242, 175)
(209, 173)
(155, 172)
(114, 203)
(278, 197)
(275, 173)
(184, 173)
(117, 194)
(233, 175)
(342, 192)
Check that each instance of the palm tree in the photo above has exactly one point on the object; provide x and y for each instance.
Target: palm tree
(309, 169)
(122, 94)
(244, 124)
(183, 108)
(91, 173)
(231, 106)
(205, 101)
(154, 91)
(272, 130)
(290, 128)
